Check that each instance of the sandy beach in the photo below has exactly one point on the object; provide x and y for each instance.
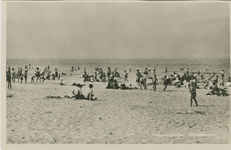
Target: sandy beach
(117, 116)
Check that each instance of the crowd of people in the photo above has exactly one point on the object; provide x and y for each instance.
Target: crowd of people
(113, 78)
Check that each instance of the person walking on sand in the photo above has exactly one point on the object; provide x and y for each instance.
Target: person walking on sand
(90, 95)
(8, 78)
(165, 83)
(154, 82)
(166, 70)
(193, 93)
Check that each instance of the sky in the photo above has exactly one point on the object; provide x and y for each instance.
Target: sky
(118, 30)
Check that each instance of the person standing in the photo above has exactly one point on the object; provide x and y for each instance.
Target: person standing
(108, 73)
(138, 79)
(154, 81)
(8, 78)
(125, 76)
(222, 75)
(166, 70)
(165, 83)
(13, 75)
(193, 92)
(25, 75)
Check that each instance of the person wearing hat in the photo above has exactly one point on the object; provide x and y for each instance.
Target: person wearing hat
(79, 94)
(90, 95)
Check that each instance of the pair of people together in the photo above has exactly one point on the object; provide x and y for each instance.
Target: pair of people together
(79, 95)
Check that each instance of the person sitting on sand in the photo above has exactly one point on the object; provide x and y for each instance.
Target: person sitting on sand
(206, 84)
(79, 94)
(92, 78)
(110, 83)
(61, 83)
(115, 85)
(59, 76)
(193, 92)
(222, 75)
(214, 89)
(222, 85)
(90, 95)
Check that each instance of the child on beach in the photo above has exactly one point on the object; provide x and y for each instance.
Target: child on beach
(193, 93)
(90, 95)
(154, 81)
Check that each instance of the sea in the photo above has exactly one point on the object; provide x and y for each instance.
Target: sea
(173, 65)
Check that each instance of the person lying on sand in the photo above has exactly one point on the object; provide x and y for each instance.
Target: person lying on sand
(53, 96)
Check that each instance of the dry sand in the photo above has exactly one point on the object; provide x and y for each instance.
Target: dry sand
(118, 116)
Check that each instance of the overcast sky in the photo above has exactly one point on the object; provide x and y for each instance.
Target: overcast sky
(118, 30)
